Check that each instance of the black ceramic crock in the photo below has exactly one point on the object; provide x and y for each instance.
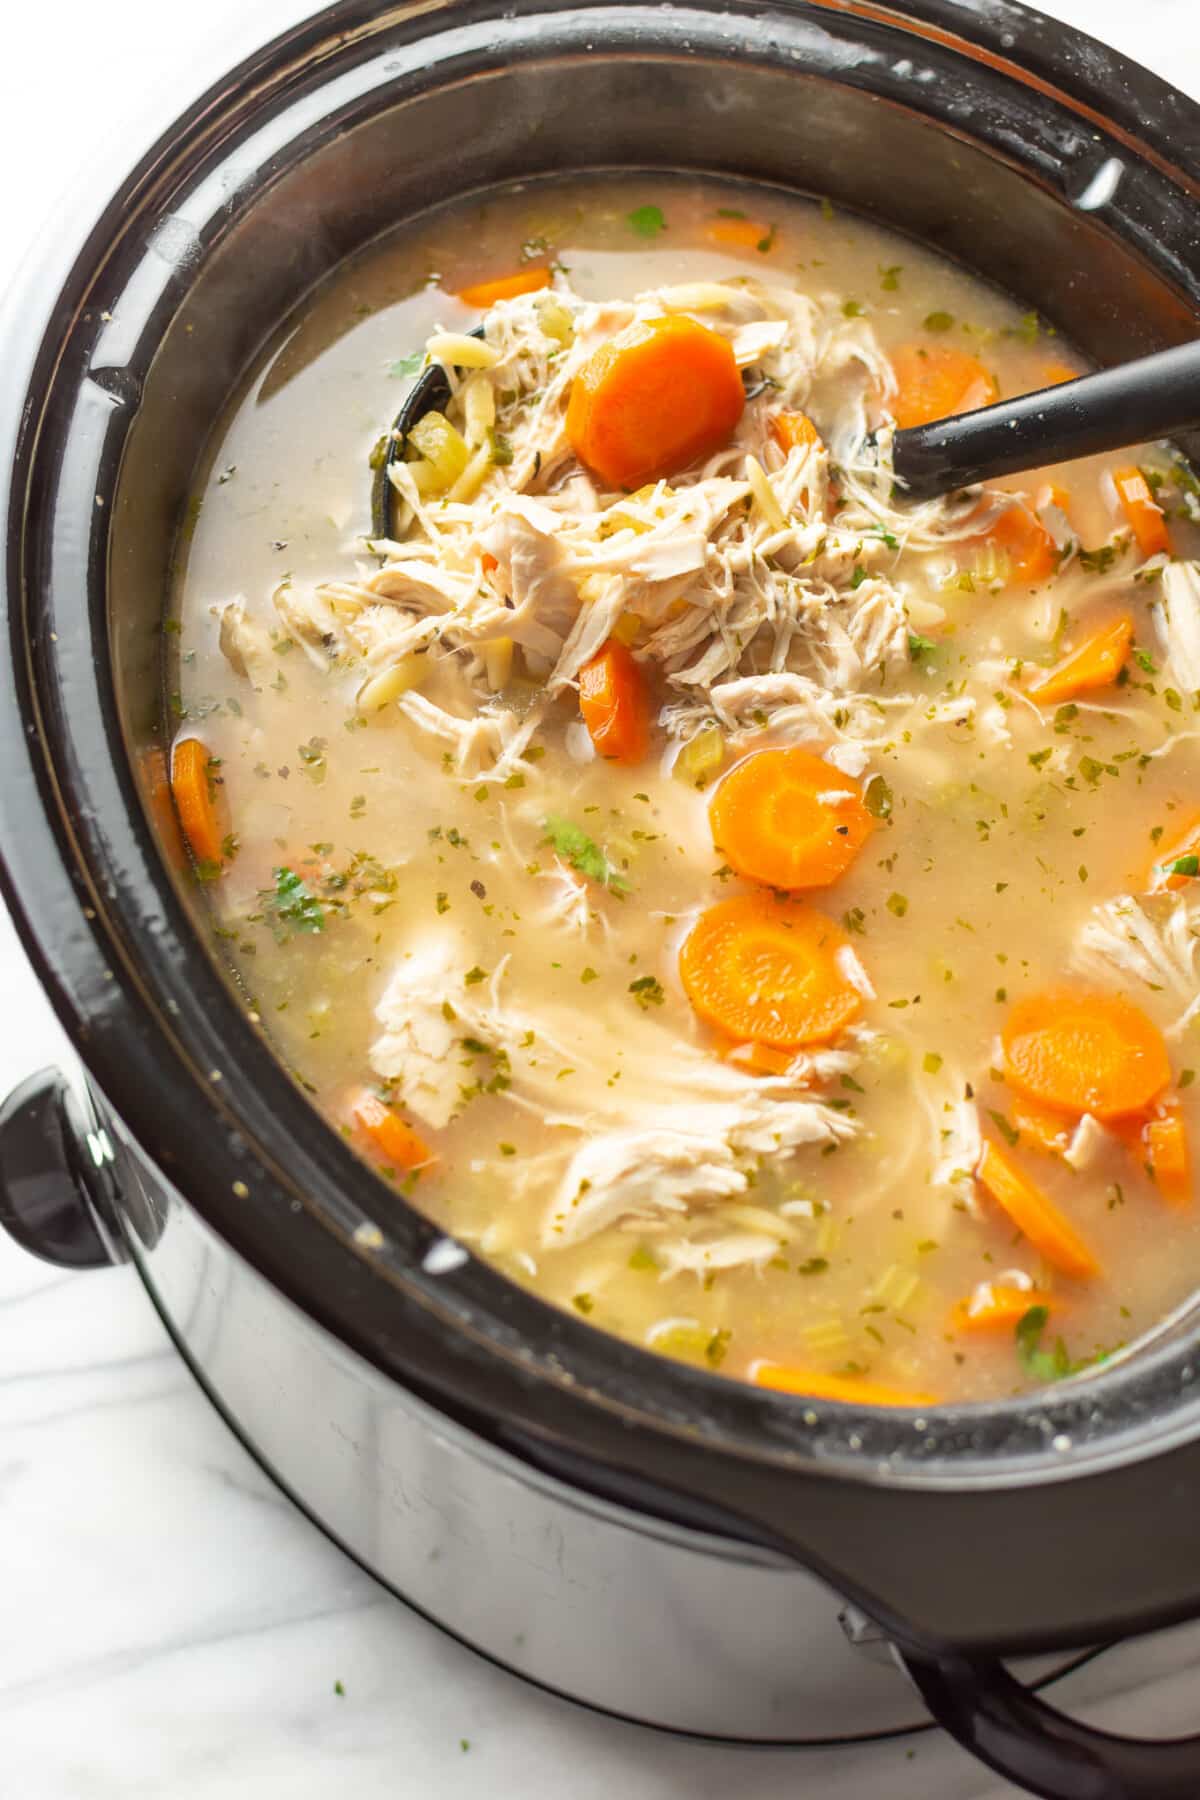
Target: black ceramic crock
(1021, 148)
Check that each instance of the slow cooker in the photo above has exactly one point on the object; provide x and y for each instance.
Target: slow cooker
(638, 1534)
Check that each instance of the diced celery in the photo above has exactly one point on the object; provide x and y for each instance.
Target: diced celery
(701, 756)
(443, 448)
(993, 566)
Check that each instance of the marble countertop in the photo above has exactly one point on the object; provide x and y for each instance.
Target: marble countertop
(171, 1628)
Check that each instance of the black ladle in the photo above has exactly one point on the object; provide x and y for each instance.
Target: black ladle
(1134, 403)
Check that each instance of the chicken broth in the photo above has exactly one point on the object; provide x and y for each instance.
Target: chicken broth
(752, 909)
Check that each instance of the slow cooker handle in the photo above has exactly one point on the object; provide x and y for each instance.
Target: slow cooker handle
(978, 1702)
(46, 1199)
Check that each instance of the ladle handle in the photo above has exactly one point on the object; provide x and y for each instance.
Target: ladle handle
(1133, 403)
(1039, 1748)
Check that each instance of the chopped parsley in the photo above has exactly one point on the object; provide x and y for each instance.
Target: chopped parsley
(572, 843)
(408, 365)
(877, 798)
(647, 221)
(939, 321)
(647, 990)
(1009, 1132)
(291, 903)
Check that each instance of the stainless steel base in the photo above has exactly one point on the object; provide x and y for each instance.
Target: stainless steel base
(650, 1621)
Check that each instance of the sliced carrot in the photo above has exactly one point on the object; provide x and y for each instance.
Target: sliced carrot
(760, 1059)
(192, 792)
(1095, 663)
(391, 1135)
(1053, 373)
(933, 381)
(794, 431)
(653, 399)
(788, 819)
(851, 1390)
(1158, 1139)
(1142, 511)
(1041, 1128)
(506, 287)
(615, 704)
(770, 969)
(1031, 551)
(739, 234)
(1078, 1052)
(996, 1306)
(1163, 874)
(1168, 1156)
(1035, 1215)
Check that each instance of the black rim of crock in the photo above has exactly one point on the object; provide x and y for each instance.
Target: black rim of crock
(93, 899)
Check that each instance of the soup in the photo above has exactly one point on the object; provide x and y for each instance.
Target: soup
(755, 911)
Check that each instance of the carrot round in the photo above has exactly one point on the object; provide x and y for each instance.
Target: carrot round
(771, 970)
(1078, 1052)
(1159, 1140)
(1142, 511)
(1041, 1128)
(1035, 1215)
(192, 792)
(851, 1390)
(794, 431)
(1168, 1156)
(739, 234)
(614, 704)
(1095, 663)
(505, 287)
(391, 1135)
(1163, 873)
(1031, 551)
(935, 380)
(996, 1306)
(653, 399)
(788, 819)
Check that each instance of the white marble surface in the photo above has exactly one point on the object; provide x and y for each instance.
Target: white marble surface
(170, 1629)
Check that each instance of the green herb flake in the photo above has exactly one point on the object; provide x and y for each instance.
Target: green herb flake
(339, 1690)
(1184, 865)
(717, 1345)
(474, 976)
(877, 798)
(408, 365)
(932, 1062)
(815, 1265)
(1008, 1132)
(889, 278)
(643, 1259)
(589, 975)
(939, 321)
(573, 844)
(291, 903)
(897, 904)
(919, 646)
(647, 990)
(647, 221)
(583, 1303)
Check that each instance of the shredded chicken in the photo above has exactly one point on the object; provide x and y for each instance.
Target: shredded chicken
(1178, 615)
(1156, 940)
(702, 1127)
